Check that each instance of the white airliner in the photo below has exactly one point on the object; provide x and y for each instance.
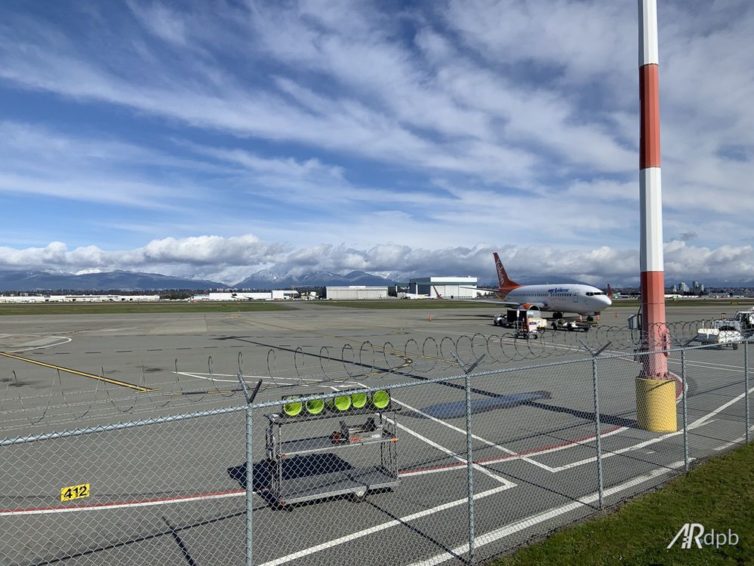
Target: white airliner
(556, 298)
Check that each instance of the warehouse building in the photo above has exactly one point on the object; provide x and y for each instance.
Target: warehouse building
(446, 287)
(355, 292)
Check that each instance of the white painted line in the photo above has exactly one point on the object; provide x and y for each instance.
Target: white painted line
(699, 422)
(533, 520)
(631, 448)
(449, 452)
(474, 436)
(580, 443)
(62, 340)
(307, 552)
(739, 440)
(455, 456)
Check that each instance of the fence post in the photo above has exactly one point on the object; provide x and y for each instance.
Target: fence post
(469, 471)
(249, 487)
(746, 387)
(597, 427)
(249, 461)
(685, 412)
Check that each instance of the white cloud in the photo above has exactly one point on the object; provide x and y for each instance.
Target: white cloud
(231, 259)
(372, 133)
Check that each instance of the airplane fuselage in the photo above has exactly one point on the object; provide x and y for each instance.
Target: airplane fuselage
(572, 298)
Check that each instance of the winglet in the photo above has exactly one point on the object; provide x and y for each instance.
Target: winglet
(506, 284)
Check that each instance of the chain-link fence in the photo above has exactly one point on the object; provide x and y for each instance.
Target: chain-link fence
(436, 451)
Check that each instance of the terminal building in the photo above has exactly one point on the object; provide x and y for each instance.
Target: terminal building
(355, 292)
(445, 287)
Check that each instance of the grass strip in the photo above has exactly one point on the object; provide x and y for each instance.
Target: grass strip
(670, 303)
(137, 308)
(718, 493)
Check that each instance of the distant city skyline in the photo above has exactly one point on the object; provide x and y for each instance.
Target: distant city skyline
(212, 141)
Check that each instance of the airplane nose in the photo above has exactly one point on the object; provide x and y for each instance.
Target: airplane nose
(607, 301)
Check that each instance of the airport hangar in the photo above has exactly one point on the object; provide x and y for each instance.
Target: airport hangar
(429, 287)
(449, 287)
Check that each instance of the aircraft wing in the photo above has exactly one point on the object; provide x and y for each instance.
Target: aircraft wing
(511, 304)
(502, 302)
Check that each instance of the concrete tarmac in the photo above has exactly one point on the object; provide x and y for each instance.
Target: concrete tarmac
(173, 493)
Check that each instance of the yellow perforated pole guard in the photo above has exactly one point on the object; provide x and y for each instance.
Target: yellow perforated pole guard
(655, 404)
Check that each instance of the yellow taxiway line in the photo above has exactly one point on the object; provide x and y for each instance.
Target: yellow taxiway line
(111, 381)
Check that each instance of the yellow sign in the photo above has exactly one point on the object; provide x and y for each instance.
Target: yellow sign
(74, 492)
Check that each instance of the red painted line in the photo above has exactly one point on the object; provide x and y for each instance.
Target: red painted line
(232, 492)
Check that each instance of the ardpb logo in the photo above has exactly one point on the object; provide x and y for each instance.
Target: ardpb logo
(695, 534)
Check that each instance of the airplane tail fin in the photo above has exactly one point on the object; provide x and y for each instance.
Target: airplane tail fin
(609, 292)
(506, 283)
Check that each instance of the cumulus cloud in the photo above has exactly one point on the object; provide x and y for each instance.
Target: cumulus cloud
(364, 137)
(229, 260)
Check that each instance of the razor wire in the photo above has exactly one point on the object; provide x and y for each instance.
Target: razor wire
(323, 366)
(195, 455)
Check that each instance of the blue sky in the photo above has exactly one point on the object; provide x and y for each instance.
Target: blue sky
(213, 140)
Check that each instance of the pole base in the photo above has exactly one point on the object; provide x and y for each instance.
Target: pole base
(655, 404)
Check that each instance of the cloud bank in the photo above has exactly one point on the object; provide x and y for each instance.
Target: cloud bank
(229, 260)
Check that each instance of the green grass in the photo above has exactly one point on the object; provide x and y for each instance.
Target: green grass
(719, 494)
(134, 308)
(670, 303)
(418, 304)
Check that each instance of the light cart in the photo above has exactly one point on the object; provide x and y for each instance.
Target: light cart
(310, 468)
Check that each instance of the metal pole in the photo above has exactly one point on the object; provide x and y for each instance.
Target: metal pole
(597, 427)
(685, 413)
(654, 330)
(249, 488)
(470, 471)
(746, 387)
(249, 463)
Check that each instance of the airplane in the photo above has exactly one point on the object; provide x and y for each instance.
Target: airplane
(556, 297)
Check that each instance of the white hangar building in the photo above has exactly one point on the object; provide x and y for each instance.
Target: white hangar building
(355, 292)
(445, 287)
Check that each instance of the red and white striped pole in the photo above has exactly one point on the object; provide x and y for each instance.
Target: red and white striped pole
(654, 330)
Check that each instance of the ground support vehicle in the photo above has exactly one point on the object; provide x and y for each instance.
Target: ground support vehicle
(720, 337)
(519, 319)
(310, 468)
(746, 322)
(570, 325)
(723, 333)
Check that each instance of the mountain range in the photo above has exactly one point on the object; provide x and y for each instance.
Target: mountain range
(30, 281)
(25, 281)
(110, 281)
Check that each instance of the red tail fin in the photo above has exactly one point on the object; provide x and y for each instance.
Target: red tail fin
(506, 283)
(609, 292)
